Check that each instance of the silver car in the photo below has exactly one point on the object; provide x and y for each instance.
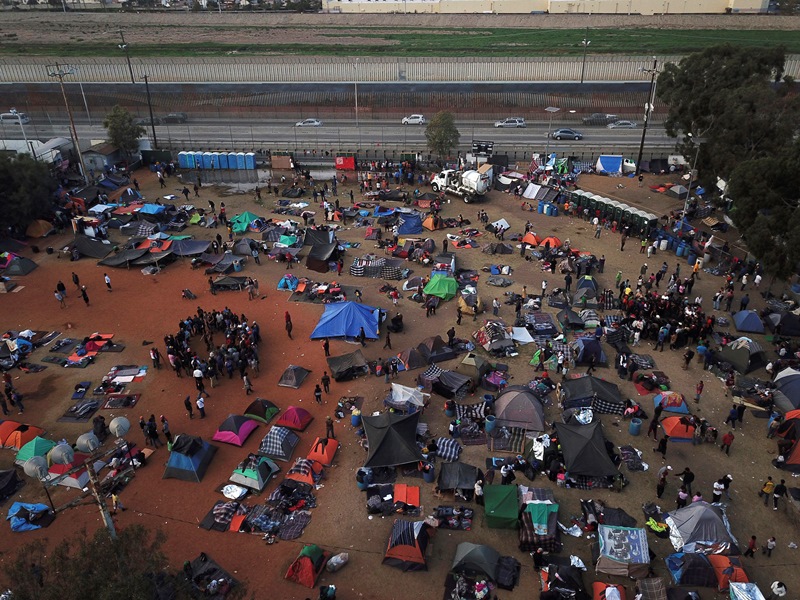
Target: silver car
(511, 122)
(413, 120)
(309, 123)
(622, 125)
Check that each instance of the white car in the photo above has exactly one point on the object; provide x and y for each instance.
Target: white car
(309, 123)
(511, 122)
(413, 120)
(622, 125)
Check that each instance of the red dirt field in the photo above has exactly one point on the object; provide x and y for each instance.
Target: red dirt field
(145, 308)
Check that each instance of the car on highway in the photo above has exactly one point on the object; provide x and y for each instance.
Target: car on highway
(599, 119)
(511, 122)
(413, 120)
(566, 134)
(176, 117)
(622, 125)
(145, 121)
(309, 123)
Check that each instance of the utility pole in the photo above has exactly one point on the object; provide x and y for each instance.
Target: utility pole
(648, 111)
(60, 71)
(585, 43)
(150, 107)
(124, 46)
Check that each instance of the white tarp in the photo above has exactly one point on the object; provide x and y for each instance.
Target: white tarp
(402, 393)
(502, 222)
(745, 591)
(531, 191)
(521, 335)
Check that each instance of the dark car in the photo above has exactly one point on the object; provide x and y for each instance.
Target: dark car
(145, 121)
(176, 117)
(599, 119)
(566, 134)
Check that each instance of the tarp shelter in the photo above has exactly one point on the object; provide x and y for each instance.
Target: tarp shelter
(321, 255)
(623, 551)
(293, 377)
(743, 354)
(323, 450)
(476, 560)
(516, 406)
(315, 237)
(569, 319)
(748, 321)
(409, 224)
(678, 429)
(29, 517)
(235, 430)
(241, 223)
(501, 506)
(408, 541)
(348, 366)
(279, 443)
(609, 165)
(254, 472)
(583, 349)
(295, 418)
(21, 265)
(38, 446)
(458, 476)
(261, 410)
(189, 458)
(308, 565)
(10, 482)
(702, 528)
(189, 247)
(789, 323)
(345, 319)
(391, 439)
(442, 287)
(91, 247)
(584, 449)
(404, 398)
(672, 402)
(474, 367)
(449, 384)
(603, 396)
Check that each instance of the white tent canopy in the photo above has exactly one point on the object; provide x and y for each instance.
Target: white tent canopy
(402, 393)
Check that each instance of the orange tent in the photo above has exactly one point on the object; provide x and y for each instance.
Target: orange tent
(323, 453)
(7, 428)
(727, 569)
(792, 414)
(678, 429)
(305, 471)
(553, 240)
(407, 544)
(308, 565)
(530, 239)
(24, 434)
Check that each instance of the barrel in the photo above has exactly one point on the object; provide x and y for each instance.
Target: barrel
(664, 243)
(547, 209)
(540, 208)
(429, 476)
(635, 428)
(449, 413)
(488, 400)
(681, 250)
(355, 420)
(490, 423)
(691, 259)
(237, 266)
(555, 210)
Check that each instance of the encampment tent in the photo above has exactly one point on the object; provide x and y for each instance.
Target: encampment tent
(254, 472)
(10, 482)
(702, 528)
(189, 458)
(348, 366)
(404, 398)
(345, 319)
(787, 323)
(279, 443)
(321, 255)
(21, 265)
(584, 449)
(787, 394)
(501, 506)
(235, 430)
(569, 319)
(261, 410)
(409, 224)
(293, 377)
(671, 402)
(623, 551)
(308, 565)
(241, 223)
(603, 396)
(678, 429)
(21, 436)
(458, 476)
(38, 446)
(39, 228)
(295, 418)
(586, 348)
(391, 439)
(315, 237)
(408, 541)
(609, 165)
(412, 359)
(474, 367)
(323, 450)
(743, 354)
(442, 287)
(688, 568)
(516, 406)
(476, 561)
(748, 321)
(91, 247)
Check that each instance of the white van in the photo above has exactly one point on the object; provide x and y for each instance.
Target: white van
(15, 118)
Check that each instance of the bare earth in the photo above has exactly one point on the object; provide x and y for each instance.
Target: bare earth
(146, 308)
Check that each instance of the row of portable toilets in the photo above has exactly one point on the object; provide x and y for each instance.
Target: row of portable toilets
(639, 220)
(240, 161)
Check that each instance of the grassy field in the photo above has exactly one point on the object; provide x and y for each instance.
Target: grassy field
(416, 41)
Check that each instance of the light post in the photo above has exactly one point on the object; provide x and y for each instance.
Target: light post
(585, 43)
(691, 179)
(14, 112)
(648, 111)
(355, 66)
(150, 108)
(123, 46)
(552, 110)
(60, 72)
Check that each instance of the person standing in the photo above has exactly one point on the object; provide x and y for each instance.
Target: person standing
(201, 405)
(751, 547)
(662, 447)
(61, 288)
(698, 391)
(84, 295)
(188, 404)
(778, 493)
(326, 346)
(544, 287)
(479, 492)
(718, 488)
(318, 394)
(198, 380)
(60, 297)
(727, 440)
(329, 428)
(459, 314)
(165, 429)
(4, 406)
(687, 478)
(16, 400)
(740, 409)
(76, 280)
(155, 356)
(653, 428)
(289, 327)
(661, 484)
(769, 546)
(683, 498)
(766, 490)
(248, 387)
(116, 504)
(388, 342)
(592, 363)
(107, 280)
(326, 382)
(362, 336)
(495, 307)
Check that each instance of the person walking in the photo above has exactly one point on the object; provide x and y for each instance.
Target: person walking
(733, 416)
(107, 281)
(116, 504)
(318, 394)
(247, 385)
(326, 382)
(201, 405)
(189, 409)
(388, 342)
(155, 356)
(76, 280)
(727, 440)
(326, 346)
(717, 489)
(769, 546)
(459, 314)
(289, 328)
(653, 428)
(766, 490)
(661, 484)
(329, 428)
(687, 477)
(683, 498)
(165, 429)
(662, 447)
(698, 391)
(778, 493)
(751, 547)
(62, 289)
(592, 363)
(198, 380)
(362, 336)
(84, 295)
(60, 297)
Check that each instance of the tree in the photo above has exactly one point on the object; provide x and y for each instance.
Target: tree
(26, 191)
(122, 132)
(442, 134)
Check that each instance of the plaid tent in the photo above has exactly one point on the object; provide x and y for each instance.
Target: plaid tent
(448, 449)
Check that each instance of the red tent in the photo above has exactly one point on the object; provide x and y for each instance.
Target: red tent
(308, 565)
(323, 453)
(727, 569)
(678, 429)
(295, 418)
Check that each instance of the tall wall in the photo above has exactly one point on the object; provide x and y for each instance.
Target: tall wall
(614, 7)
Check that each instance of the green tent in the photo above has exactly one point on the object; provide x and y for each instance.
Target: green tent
(38, 446)
(254, 472)
(442, 287)
(288, 240)
(241, 222)
(501, 506)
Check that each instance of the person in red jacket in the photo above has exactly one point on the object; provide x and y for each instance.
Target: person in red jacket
(727, 440)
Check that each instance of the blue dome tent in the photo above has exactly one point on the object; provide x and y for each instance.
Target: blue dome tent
(345, 319)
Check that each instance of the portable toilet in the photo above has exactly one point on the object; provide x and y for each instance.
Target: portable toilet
(637, 221)
(183, 162)
(619, 213)
(207, 163)
(240, 160)
(591, 202)
(250, 160)
(627, 213)
(222, 160)
(215, 160)
(198, 160)
(610, 207)
(579, 198)
(600, 204)
(651, 221)
(232, 160)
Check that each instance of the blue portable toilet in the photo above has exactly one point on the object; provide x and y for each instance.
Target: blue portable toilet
(215, 160)
(207, 164)
(183, 162)
(198, 160)
(250, 160)
(190, 160)
(240, 160)
(223, 160)
(232, 160)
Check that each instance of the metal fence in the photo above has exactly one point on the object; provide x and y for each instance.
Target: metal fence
(295, 69)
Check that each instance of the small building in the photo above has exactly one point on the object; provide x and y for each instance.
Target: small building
(101, 156)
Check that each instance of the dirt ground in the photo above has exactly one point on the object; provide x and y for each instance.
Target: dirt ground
(145, 308)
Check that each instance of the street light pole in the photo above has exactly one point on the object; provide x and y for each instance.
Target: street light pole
(648, 111)
(14, 112)
(691, 180)
(552, 110)
(585, 43)
(150, 108)
(124, 46)
(358, 129)
(60, 72)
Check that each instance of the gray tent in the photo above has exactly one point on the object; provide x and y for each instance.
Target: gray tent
(391, 439)
(91, 247)
(584, 449)
(603, 396)
(124, 258)
(518, 407)
(458, 476)
(321, 255)
(189, 247)
(701, 528)
(316, 237)
(473, 366)
(348, 366)
(20, 266)
(476, 560)
(570, 319)
(244, 247)
(293, 377)
(744, 354)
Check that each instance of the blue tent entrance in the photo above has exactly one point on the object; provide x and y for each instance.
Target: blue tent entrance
(748, 321)
(345, 319)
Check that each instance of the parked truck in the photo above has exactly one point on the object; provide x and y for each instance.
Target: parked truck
(470, 185)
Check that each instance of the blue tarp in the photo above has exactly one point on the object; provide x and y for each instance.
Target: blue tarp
(107, 183)
(152, 209)
(18, 515)
(609, 164)
(288, 282)
(748, 321)
(345, 319)
(410, 224)
(382, 211)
